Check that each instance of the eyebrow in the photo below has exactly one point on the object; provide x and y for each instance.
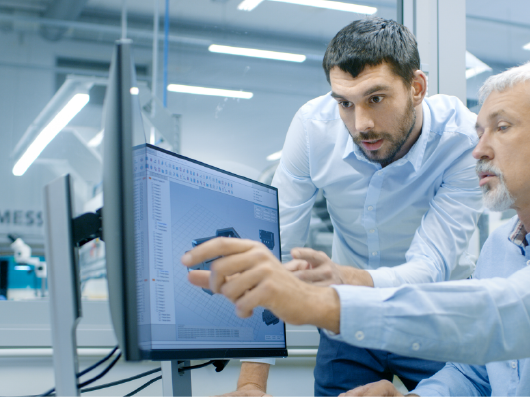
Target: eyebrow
(492, 116)
(369, 91)
(376, 88)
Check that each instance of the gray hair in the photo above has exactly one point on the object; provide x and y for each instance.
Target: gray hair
(505, 80)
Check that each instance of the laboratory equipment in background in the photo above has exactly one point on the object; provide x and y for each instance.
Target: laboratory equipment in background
(22, 256)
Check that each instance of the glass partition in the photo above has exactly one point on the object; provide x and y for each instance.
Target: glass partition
(236, 73)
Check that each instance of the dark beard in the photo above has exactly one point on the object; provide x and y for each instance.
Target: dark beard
(408, 121)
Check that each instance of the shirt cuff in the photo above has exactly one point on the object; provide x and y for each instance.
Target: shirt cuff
(270, 361)
(383, 277)
(361, 316)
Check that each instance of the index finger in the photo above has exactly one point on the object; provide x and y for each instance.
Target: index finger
(314, 257)
(220, 246)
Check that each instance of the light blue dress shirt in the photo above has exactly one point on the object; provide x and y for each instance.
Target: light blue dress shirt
(478, 321)
(409, 222)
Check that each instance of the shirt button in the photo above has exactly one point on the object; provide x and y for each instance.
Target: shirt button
(514, 364)
(415, 346)
(379, 172)
(373, 231)
(370, 208)
(374, 253)
(359, 335)
(527, 263)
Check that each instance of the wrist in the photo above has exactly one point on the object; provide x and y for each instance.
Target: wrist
(354, 276)
(253, 376)
(326, 312)
(251, 386)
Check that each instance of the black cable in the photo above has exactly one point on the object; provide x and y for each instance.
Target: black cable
(85, 371)
(195, 366)
(101, 374)
(119, 382)
(144, 386)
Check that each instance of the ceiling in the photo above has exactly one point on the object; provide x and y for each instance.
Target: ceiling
(496, 29)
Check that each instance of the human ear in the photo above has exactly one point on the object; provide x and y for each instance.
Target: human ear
(418, 87)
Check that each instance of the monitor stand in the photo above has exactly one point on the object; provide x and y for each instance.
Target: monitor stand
(63, 279)
(63, 233)
(175, 383)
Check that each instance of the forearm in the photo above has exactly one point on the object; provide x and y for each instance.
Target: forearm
(253, 375)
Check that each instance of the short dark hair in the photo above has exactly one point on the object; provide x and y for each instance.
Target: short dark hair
(370, 42)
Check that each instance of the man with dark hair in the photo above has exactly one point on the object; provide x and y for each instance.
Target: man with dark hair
(398, 175)
(481, 324)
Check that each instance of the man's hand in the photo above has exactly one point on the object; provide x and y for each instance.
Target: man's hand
(382, 388)
(252, 380)
(250, 275)
(247, 391)
(315, 267)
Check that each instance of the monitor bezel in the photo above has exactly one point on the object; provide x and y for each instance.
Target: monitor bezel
(222, 353)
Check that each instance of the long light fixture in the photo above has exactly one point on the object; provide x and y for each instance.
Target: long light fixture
(274, 156)
(190, 89)
(49, 132)
(251, 52)
(527, 47)
(474, 66)
(96, 141)
(249, 5)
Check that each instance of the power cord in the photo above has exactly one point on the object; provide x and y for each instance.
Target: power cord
(144, 386)
(87, 370)
(219, 366)
(101, 374)
(119, 382)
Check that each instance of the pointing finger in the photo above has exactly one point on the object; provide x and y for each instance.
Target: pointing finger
(220, 246)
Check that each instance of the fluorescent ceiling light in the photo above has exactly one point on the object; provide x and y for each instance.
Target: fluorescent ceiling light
(49, 132)
(249, 5)
(251, 52)
(96, 141)
(475, 66)
(275, 156)
(189, 89)
(527, 47)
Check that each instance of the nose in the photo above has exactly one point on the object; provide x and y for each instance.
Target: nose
(483, 150)
(363, 120)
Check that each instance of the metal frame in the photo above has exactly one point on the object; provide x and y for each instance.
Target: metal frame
(440, 29)
(63, 279)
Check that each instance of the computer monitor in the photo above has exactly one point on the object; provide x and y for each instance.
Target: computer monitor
(157, 206)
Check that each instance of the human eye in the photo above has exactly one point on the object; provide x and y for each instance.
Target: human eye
(376, 99)
(503, 127)
(345, 104)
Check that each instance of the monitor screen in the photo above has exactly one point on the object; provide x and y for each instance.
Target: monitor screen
(179, 204)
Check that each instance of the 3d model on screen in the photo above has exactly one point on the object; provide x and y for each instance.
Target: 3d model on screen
(228, 232)
(267, 238)
(269, 318)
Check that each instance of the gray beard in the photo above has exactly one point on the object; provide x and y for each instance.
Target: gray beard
(499, 198)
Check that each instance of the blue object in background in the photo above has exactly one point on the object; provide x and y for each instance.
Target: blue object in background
(21, 276)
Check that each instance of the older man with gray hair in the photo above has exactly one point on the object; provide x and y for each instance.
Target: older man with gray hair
(494, 311)
(483, 322)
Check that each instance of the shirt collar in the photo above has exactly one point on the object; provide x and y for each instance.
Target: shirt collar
(518, 235)
(414, 155)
